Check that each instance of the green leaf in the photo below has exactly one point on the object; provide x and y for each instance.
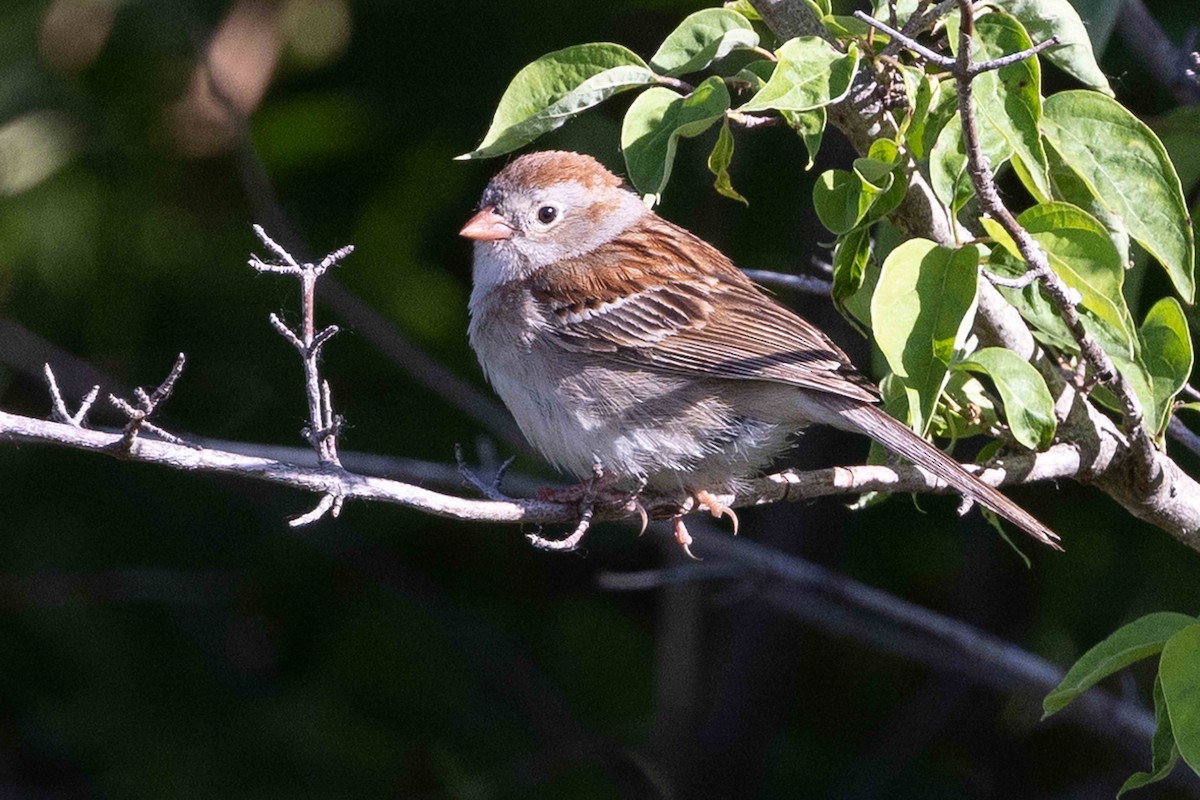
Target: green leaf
(822, 8)
(971, 412)
(1127, 169)
(1068, 186)
(842, 199)
(886, 153)
(1080, 252)
(1179, 670)
(921, 89)
(1009, 99)
(923, 305)
(810, 127)
(948, 161)
(1074, 56)
(1028, 406)
(1132, 642)
(743, 7)
(1167, 355)
(942, 108)
(850, 257)
(810, 74)
(702, 38)
(656, 120)
(718, 164)
(1163, 752)
(556, 87)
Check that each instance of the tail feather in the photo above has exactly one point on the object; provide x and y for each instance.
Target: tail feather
(899, 438)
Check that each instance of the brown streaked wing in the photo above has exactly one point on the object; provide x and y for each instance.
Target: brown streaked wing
(652, 305)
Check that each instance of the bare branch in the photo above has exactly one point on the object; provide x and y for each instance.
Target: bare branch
(139, 415)
(749, 121)
(807, 284)
(489, 489)
(323, 425)
(932, 56)
(1063, 460)
(1012, 58)
(1020, 282)
(59, 410)
(329, 503)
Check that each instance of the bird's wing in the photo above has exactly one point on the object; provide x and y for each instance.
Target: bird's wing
(675, 303)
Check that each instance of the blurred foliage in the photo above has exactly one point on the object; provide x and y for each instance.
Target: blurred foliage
(168, 636)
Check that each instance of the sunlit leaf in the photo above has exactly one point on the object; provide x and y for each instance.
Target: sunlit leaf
(1179, 670)
(948, 161)
(656, 120)
(850, 257)
(1167, 355)
(810, 74)
(810, 127)
(1080, 251)
(1009, 99)
(718, 164)
(1127, 169)
(556, 87)
(927, 295)
(1073, 55)
(702, 38)
(1028, 405)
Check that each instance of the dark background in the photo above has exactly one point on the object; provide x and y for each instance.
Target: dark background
(167, 635)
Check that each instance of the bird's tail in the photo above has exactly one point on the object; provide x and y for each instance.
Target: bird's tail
(855, 415)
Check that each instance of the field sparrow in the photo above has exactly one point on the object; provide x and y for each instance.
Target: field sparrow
(621, 342)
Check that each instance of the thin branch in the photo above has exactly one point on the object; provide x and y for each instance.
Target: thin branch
(980, 67)
(59, 411)
(1184, 435)
(683, 87)
(1063, 460)
(750, 121)
(147, 404)
(932, 56)
(808, 284)
(1020, 282)
(489, 489)
(366, 322)
(323, 425)
(949, 62)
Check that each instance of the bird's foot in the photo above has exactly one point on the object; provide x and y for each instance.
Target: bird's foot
(716, 506)
(682, 536)
(601, 489)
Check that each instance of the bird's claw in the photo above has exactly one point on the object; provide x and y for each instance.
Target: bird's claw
(682, 536)
(716, 507)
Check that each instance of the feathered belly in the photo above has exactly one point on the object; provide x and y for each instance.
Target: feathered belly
(578, 409)
(671, 431)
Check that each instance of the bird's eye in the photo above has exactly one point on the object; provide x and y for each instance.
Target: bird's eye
(547, 214)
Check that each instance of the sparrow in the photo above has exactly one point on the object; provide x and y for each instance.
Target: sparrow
(625, 344)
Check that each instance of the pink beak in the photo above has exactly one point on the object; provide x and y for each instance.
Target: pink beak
(486, 226)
